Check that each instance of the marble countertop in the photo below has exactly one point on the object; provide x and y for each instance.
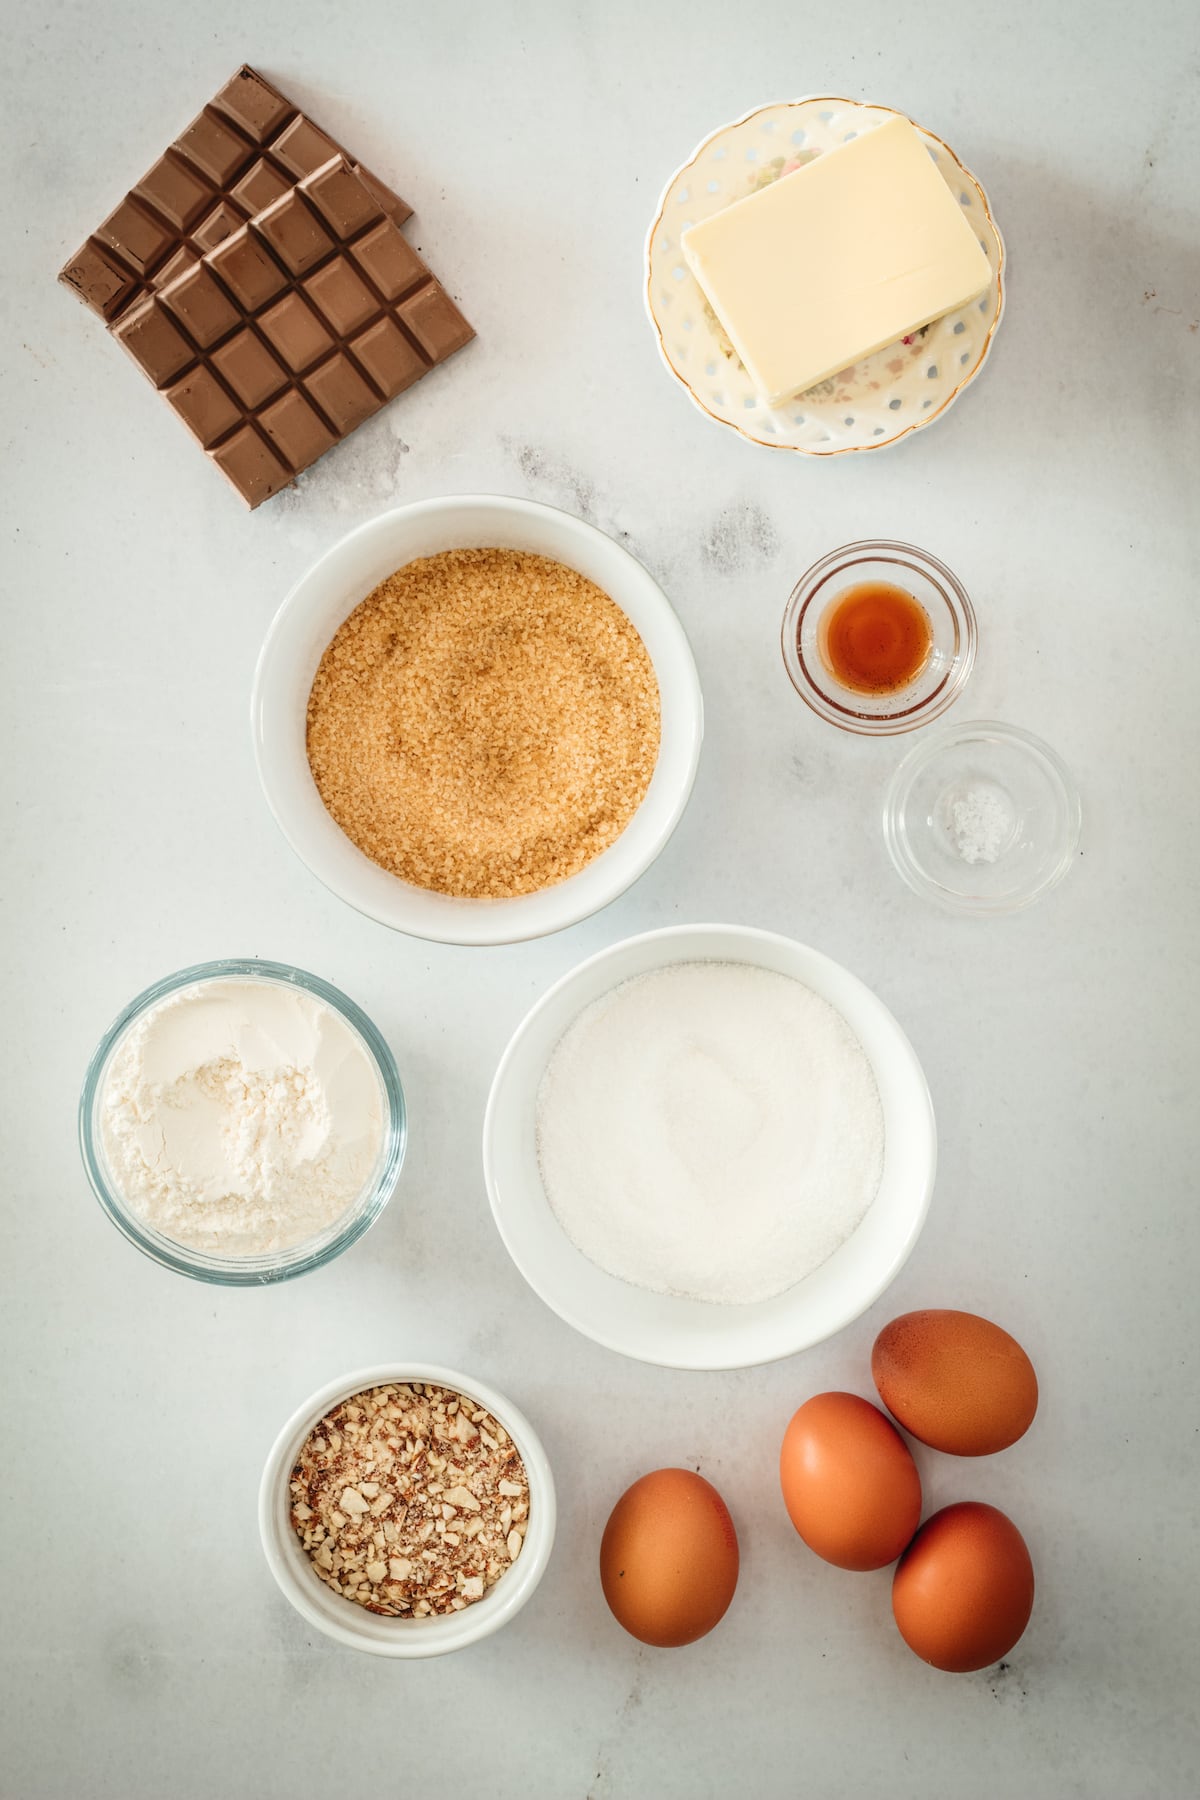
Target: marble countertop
(146, 1650)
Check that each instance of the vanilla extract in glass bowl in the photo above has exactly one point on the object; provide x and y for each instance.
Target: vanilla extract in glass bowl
(879, 637)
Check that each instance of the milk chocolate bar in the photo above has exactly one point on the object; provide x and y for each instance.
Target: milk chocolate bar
(246, 150)
(293, 330)
(259, 278)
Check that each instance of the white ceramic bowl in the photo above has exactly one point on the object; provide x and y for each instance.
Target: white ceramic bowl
(330, 591)
(342, 1619)
(692, 1334)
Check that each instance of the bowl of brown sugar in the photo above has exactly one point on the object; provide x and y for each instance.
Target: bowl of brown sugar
(477, 719)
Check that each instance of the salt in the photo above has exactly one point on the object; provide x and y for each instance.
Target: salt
(979, 821)
(710, 1130)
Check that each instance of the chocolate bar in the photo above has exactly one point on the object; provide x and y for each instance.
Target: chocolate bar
(259, 278)
(246, 149)
(297, 327)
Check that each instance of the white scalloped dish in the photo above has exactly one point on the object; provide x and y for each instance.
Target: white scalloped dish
(878, 400)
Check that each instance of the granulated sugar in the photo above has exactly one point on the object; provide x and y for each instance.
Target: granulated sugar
(710, 1130)
(485, 723)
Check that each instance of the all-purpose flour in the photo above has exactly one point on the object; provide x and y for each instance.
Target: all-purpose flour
(710, 1130)
(241, 1117)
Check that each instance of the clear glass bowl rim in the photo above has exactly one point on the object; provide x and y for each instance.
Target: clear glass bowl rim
(907, 718)
(921, 754)
(247, 1271)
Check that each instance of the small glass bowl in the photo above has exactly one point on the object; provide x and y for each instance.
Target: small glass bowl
(278, 1265)
(950, 661)
(963, 780)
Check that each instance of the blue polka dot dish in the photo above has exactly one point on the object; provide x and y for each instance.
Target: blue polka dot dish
(879, 400)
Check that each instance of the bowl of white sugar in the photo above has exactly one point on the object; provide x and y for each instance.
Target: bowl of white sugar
(242, 1122)
(709, 1147)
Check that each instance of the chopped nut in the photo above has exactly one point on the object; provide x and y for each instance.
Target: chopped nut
(464, 1498)
(381, 1515)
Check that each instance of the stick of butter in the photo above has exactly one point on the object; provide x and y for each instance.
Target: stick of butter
(836, 260)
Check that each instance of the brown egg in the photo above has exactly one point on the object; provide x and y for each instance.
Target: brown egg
(955, 1381)
(849, 1482)
(669, 1558)
(963, 1591)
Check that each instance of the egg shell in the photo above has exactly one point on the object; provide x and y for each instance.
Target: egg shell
(963, 1591)
(955, 1381)
(849, 1482)
(669, 1558)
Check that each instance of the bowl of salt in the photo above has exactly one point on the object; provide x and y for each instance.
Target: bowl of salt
(982, 818)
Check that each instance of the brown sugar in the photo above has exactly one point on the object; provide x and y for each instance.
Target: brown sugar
(485, 723)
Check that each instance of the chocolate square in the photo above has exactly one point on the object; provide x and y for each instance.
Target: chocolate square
(341, 199)
(295, 429)
(251, 465)
(216, 226)
(260, 185)
(386, 256)
(175, 266)
(154, 341)
(138, 239)
(301, 147)
(249, 368)
(253, 105)
(341, 393)
(99, 279)
(174, 192)
(212, 148)
(248, 270)
(388, 357)
(295, 233)
(342, 297)
(295, 332)
(203, 405)
(435, 322)
(201, 306)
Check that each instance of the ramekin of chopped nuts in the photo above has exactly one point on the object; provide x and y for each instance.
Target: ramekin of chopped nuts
(407, 1510)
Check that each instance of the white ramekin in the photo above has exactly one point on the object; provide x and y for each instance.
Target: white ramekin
(331, 590)
(694, 1334)
(342, 1619)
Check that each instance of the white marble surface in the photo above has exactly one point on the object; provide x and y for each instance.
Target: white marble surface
(146, 1651)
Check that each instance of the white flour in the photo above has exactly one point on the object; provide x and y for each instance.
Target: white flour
(709, 1130)
(240, 1116)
